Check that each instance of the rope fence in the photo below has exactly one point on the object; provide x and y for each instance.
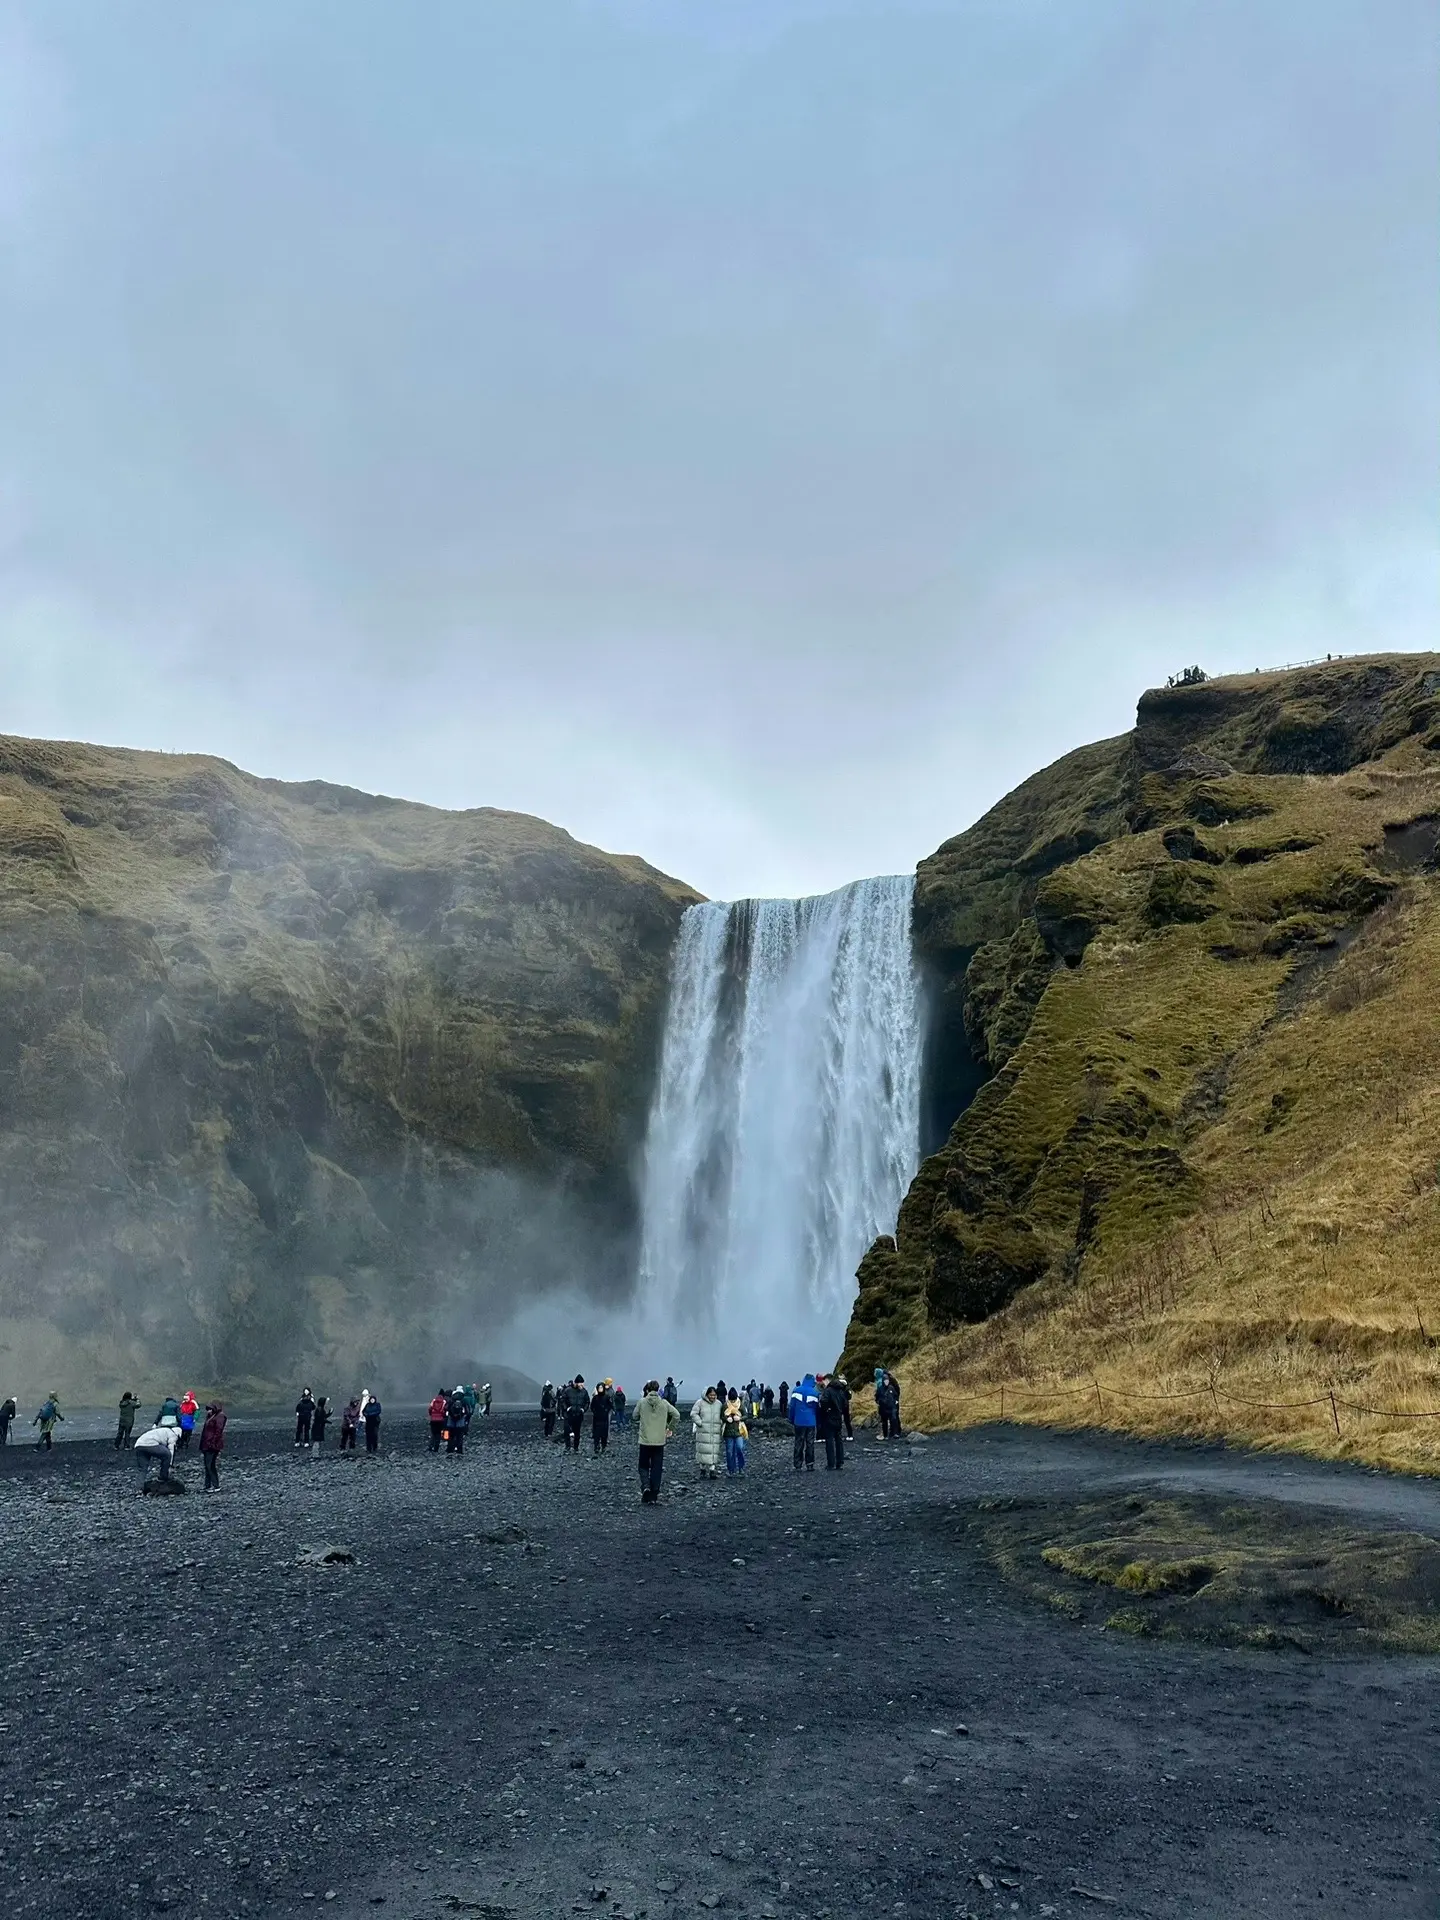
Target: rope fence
(1211, 1389)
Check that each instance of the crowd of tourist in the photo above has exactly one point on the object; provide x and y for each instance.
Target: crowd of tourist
(818, 1406)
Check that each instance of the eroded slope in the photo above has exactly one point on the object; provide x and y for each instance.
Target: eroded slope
(294, 1076)
(1207, 1061)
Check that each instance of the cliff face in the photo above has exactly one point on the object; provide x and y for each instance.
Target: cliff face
(293, 1076)
(1115, 945)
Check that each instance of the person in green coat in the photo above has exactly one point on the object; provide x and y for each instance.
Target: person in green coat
(657, 1420)
(128, 1403)
(45, 1419)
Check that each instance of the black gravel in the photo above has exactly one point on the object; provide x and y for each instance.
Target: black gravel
(793, 1696)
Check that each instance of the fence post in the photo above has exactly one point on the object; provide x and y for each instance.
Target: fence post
(1099, 1397)
(1002, 1399)
(1334, 1412)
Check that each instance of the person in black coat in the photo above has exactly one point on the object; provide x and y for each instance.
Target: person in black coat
(577, 1405)
(602, 1405)
(457, 1421)
(887, 1405)
(835, 1420)
(304, 1415)
(319, 1420)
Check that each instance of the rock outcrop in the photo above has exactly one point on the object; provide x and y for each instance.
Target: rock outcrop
(295, 1076)
(1110, 942)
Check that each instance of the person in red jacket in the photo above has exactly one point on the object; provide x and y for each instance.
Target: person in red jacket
(212, 1441)
(438, 1408)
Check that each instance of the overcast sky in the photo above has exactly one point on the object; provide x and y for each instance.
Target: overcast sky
(751, 433)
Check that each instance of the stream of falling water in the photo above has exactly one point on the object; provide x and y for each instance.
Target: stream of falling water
(785, 1127)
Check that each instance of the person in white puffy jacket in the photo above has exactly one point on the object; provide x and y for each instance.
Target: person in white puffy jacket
(156, 1447)
(705, 1419)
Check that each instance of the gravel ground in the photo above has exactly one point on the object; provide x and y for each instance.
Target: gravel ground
(792, 1695)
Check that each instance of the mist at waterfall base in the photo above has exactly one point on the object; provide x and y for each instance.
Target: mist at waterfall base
(784, 1131)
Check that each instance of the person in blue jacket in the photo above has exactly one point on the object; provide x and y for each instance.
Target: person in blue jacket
(804, 1412)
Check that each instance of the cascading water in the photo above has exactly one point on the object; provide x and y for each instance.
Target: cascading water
(786, 1124)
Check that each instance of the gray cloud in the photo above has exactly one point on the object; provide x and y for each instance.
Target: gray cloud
(752, 436)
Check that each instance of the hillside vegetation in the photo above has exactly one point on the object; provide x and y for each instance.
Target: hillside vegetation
(1197, 970)
(294, 1077)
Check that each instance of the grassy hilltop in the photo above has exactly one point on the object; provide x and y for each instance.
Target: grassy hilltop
(294, 1077)
(1190, 988)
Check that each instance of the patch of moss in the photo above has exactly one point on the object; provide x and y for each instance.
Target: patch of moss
(1069, 912)
(1129, 1620)
(1203, 1568)
(1003, 986)
(1296, 931)
(1179, 895)
(979, 1264)
(1216, 803)
(1346, 889)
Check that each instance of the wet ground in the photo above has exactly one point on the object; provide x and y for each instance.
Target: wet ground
(792, 1696)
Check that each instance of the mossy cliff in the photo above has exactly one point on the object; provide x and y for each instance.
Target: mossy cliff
(294, 1076)
(1169, 971)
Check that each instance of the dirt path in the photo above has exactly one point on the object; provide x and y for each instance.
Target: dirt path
(1029, 1458)
(750, 1699)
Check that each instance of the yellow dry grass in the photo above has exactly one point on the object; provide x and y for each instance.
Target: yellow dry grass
(1310, 1267)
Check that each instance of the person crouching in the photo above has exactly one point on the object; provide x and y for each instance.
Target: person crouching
(156, 1449)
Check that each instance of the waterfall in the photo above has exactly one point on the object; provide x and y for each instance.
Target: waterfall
(785, 1126)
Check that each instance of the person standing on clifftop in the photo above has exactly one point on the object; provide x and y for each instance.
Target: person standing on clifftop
(8, 1411)
(45, 1419)
(126, 1425)
(304, 1416)
(657, 1419)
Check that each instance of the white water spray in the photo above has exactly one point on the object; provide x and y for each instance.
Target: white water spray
(786, 1124)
